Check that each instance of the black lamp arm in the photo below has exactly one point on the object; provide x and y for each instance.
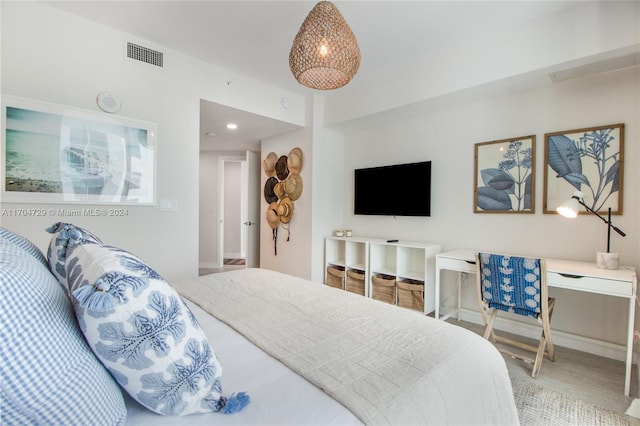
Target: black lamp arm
(608, 222)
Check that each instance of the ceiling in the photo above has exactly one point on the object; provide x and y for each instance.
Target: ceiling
(253, 38)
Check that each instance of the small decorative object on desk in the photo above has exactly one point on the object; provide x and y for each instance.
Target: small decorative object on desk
(347, 232)
(339, 232)
(606, 260)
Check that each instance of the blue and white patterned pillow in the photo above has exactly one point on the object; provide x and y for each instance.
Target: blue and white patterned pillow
(145, 334)
(49, 374)
(65, 237)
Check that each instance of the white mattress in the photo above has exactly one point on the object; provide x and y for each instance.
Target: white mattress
(278, 395)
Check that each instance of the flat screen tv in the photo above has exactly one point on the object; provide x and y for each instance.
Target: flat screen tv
(394, 190)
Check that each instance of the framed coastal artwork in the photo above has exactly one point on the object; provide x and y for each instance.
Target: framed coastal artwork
(588, 160)
(504, 176)
(60, 154)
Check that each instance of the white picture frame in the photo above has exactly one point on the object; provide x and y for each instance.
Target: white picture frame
(61, 154)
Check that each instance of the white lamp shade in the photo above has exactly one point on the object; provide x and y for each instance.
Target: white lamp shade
(571, 207)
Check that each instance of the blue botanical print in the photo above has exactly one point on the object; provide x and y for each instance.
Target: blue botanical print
(74, 274)
(132, 263)
(509, 186)
(117, 283)
(565, 157)
(192, 317)
(148, 333)
(184, 378)
(139, 266)
(68, 236)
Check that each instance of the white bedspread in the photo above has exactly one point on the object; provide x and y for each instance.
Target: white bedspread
(386, 364)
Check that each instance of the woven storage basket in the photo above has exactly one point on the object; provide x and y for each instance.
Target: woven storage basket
(411, 294)
(384, 288)
(355, 281)
(335, 276)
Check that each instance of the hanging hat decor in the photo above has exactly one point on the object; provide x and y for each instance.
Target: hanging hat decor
(282, 187)
(269, 193)
(269, 164)
(282, 170)
(293, 186)
(325, 54)
(294, 160)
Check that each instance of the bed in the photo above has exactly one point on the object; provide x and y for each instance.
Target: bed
(305, 353)
(384, 364)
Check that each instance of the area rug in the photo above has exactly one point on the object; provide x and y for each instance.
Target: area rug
(540, 406)
(234, 261)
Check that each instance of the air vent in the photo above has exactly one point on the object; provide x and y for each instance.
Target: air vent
(144, 54)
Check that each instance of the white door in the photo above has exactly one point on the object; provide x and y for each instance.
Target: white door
(230, 195)
(252, 222)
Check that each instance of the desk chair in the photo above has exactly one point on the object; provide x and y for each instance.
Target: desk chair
(517, 285)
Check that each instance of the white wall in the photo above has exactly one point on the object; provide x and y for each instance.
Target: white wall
(328, 186)
(57, 57)
(447, 137)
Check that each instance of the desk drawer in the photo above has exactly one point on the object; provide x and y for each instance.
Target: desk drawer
(590, 284)
(455, 264)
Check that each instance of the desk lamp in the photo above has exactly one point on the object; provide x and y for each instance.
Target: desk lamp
(570, 209)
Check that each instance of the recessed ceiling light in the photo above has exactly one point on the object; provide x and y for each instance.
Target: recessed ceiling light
(232, 126)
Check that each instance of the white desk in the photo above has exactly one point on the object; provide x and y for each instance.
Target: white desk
(567, 274)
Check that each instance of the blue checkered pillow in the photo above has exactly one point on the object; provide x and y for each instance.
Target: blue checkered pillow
(65, 237)
(511, 283)
(49, 375)
(23, 243)
(145, 334)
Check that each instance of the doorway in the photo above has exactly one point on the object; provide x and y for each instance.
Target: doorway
(240, 144)
(239, 211)
(232, 207)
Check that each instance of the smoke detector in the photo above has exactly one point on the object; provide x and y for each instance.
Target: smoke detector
(107, 102)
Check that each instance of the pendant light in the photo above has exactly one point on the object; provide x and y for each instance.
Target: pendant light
(325, 53)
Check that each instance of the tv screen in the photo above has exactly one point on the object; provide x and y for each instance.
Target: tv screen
(395, 190)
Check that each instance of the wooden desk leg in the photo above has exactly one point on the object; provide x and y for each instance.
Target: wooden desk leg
(627, 378)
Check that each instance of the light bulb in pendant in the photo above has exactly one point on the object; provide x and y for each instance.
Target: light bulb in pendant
(324, 47)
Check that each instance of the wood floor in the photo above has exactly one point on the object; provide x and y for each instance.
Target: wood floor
(587, 377)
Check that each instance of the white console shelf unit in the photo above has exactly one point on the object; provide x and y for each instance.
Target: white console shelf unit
(402, 260)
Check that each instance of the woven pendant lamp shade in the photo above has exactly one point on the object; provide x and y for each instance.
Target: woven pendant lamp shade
(325, 53)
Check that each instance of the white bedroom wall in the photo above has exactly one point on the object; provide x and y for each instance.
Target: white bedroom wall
(447, 137)
(53, 56)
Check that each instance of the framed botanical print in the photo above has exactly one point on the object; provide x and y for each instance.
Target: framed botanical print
(504, 176)
(588, 160)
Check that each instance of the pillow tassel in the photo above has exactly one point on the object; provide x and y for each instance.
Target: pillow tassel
(235, 403)
(95, 297)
